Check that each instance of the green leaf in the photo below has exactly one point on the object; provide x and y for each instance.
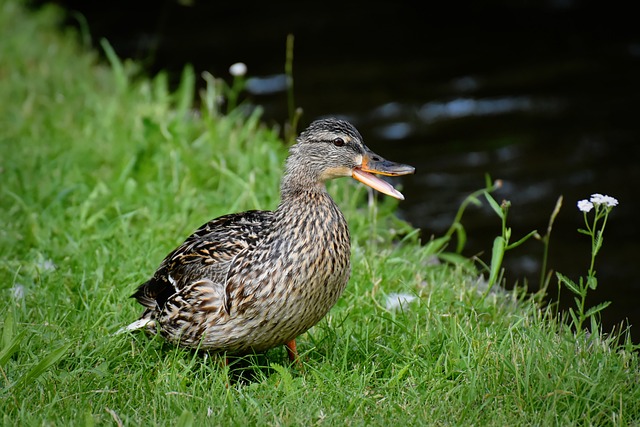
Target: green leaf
(461, 234)
(285, 376)
(497, 253)
(592, 282)
(598, 243)
(436, 245)
(453, 258)
(494, 205)
(597, 308)
(570, 284)
(507, 236)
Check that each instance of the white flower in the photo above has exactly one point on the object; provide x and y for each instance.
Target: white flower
(600, 199)
(238, 69)
(398, 301)
(585, 205)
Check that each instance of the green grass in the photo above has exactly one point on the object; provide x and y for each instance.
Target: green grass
(102, 174)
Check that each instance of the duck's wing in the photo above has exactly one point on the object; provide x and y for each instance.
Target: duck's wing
(205, 255)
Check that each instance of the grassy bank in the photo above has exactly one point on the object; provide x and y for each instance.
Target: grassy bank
(102, 174)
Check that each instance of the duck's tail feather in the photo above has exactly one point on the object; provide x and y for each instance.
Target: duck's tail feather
(146, 321)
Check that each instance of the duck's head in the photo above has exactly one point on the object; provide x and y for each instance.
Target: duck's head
(332, 148)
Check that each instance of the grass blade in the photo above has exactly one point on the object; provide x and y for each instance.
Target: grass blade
(10, 348)
(48, 361)
(185, 91)
(185, 420)
(7, 330)
(10, 341)
(116, 65)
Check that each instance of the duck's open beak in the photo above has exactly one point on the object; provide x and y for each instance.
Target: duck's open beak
(372, 163)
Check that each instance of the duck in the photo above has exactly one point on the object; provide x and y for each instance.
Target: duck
(248, 282)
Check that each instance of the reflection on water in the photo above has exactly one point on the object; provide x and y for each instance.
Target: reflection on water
(267, 85)
(465, 107)
(548, 104)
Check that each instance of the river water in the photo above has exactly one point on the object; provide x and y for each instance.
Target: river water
(544, 97)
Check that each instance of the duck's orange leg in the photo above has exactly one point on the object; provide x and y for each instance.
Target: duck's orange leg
(293, 352)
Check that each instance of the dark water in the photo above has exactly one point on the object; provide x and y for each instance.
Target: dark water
(544, 96)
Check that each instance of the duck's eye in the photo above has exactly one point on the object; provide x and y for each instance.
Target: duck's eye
(338, 142)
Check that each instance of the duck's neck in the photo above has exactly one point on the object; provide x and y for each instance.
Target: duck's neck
(303, 200)
(300, 179)
(293, 189)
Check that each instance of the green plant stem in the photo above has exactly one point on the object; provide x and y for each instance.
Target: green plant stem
(294, 114)
(456, 225)
(545, 276)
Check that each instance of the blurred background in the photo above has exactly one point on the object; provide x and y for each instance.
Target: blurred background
(541, 94)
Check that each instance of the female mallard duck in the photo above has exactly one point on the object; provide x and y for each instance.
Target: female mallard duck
(251, 281)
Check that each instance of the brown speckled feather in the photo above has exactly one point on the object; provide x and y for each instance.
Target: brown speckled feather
(205, 254)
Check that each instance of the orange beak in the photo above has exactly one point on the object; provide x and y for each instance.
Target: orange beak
(372, 163)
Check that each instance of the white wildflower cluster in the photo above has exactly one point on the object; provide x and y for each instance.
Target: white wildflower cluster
(597, 199)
